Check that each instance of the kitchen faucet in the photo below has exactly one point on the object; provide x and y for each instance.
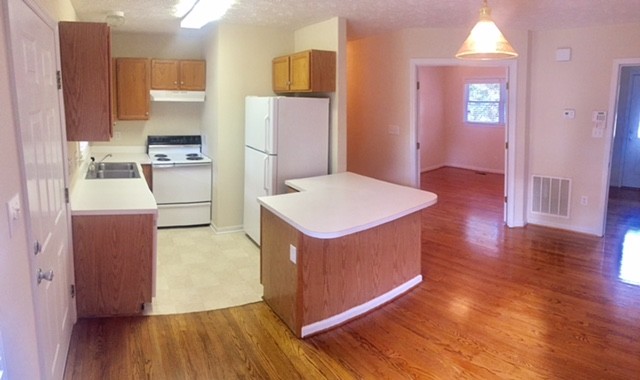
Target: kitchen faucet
(92, 165)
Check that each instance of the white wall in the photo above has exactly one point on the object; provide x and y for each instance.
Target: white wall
(565, 148)
(17, 318)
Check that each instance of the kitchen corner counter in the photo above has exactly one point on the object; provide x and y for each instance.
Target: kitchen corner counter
(336, 205)
(342, 246)
(113, 196)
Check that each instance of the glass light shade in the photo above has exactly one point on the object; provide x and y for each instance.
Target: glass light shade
(485, 41)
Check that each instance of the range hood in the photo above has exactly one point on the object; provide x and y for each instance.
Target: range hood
(176, 96)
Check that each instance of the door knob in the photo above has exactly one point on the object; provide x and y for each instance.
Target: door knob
(48, 275)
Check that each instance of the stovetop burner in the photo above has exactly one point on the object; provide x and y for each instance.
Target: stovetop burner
(160, 158)
(160, 155)
(193, 158)
(192, 154)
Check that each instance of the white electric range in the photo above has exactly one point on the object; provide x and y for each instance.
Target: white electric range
(181, 180)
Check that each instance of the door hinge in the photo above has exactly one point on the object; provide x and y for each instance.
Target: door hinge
(506, 86)
(505, 199)
(418, 146)
(66, 195)
(417, 85)
(506, 145)
(59, 79)
(73, 291)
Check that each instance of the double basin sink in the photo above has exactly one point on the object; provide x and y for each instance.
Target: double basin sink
(106, 170)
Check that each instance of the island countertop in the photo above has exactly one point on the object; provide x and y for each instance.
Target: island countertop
(113, 196)
(336, 205)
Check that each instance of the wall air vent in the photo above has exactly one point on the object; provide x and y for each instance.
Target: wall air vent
(551, 196)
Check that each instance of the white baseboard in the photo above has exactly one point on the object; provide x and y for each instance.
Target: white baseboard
(226, 230)
(466, 167)
(356, 311)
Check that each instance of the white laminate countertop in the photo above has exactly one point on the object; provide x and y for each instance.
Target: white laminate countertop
(113, 196)
(336, 205)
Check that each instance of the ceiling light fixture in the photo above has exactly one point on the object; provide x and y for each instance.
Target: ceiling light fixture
(485, 41)
(204, 12)
(115, 18)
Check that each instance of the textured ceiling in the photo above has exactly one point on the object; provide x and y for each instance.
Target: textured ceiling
(368, 17)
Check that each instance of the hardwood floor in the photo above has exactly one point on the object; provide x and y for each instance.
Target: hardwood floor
(527, 303)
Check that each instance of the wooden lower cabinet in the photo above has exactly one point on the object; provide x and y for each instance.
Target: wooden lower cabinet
(113, 260)
(332, 279)
(147, 171)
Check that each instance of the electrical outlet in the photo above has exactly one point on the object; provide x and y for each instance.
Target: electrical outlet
(584, 200)
(293, 254)
(597, 133)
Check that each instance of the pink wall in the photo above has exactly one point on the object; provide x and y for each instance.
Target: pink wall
(444, 137)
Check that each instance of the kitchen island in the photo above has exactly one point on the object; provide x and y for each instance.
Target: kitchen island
(337, 247)
(114, 241)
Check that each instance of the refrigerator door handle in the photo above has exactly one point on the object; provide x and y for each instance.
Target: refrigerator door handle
(267, 175)
(267, 137)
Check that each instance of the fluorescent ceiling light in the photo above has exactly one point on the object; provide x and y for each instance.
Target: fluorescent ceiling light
(204, 12)
(183, 7)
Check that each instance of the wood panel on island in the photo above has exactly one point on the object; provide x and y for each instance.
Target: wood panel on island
(338, 248)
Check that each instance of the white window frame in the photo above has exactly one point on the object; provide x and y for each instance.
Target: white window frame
(502, 103)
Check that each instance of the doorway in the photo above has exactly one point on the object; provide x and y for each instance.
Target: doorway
(514, 197)
(623, 123)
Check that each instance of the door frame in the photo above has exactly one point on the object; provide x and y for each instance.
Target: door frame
(514, 194)
(612, 116)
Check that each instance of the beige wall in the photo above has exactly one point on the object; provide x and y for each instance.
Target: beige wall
(17, 318)
(565, 148)
(165, 118)
(238, 64)
(331, 35)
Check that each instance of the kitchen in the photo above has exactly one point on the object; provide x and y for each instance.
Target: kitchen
(223, 127)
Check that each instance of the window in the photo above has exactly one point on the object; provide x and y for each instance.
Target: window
(485, 102)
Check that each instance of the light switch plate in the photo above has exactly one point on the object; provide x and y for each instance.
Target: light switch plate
(13, 213)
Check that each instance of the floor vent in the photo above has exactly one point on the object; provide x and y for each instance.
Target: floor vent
(551, 196)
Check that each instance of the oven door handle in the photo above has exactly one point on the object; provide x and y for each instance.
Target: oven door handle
(169, 166)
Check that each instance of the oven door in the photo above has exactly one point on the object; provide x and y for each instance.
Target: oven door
(182, 183)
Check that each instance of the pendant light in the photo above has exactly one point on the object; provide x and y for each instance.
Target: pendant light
(485, 41)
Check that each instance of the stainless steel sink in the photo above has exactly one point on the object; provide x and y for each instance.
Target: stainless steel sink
(106, 170)
(116, 166)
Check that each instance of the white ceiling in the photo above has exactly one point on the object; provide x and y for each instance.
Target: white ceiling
(369, 17)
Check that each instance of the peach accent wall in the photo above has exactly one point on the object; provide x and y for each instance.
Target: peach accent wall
(431, 121)
(379, 72)
(445, 139)
(565, 148)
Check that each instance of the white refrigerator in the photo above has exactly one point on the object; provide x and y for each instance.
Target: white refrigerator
(285, 138)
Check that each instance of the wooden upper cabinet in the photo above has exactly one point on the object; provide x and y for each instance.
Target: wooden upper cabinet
(85, 57)
(281, 74)
(306, 71)
(189, 75)
(132, 83)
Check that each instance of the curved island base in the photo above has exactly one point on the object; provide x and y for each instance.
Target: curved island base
(317, 279)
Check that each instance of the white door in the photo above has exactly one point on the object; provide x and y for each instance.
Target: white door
(33, 50)
(631, 165)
